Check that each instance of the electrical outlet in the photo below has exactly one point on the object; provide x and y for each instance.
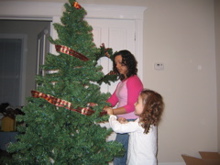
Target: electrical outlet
(159, 66)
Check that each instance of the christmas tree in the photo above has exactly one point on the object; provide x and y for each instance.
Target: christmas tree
(61, 121)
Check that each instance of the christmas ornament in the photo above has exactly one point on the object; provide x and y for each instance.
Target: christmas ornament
(71, 52)
(77, 5)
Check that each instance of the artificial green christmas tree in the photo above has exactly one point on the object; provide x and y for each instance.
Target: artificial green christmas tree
(61, 121)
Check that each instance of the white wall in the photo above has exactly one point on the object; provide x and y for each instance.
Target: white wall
(180, 34)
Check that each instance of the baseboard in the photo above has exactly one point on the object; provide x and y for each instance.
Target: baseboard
(173, 163)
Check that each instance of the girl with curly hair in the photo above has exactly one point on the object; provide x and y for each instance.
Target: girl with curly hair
(142, 147)
(125, 94)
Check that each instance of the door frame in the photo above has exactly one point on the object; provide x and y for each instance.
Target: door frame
(42, 49)
(52, 11)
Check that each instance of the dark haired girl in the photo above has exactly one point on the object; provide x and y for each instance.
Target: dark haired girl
(125, 94)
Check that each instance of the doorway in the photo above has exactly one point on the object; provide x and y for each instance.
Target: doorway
(22, 80)
(11, 68)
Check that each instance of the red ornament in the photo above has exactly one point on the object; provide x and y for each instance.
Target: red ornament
(77, 5)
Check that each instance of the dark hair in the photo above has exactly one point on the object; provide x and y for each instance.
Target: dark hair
(128, 60)
(153, 108)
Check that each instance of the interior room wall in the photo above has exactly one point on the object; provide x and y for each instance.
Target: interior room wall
(181, 35)
(217, 47)
(31, 29)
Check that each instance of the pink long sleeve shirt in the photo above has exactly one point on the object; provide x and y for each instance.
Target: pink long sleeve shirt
(125, 95)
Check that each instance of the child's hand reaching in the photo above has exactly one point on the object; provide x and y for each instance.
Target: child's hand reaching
(122, 120)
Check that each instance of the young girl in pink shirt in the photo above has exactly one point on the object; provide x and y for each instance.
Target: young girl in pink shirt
(125, 94)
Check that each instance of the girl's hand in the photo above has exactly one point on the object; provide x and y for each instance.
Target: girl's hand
(109, 110)
(122, 120)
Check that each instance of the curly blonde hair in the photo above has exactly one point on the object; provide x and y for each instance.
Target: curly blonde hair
(153, 108)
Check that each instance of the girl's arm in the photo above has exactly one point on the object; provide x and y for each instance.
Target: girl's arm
(134, 87)
(122, 128)
(113, 99)
(115, 111)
